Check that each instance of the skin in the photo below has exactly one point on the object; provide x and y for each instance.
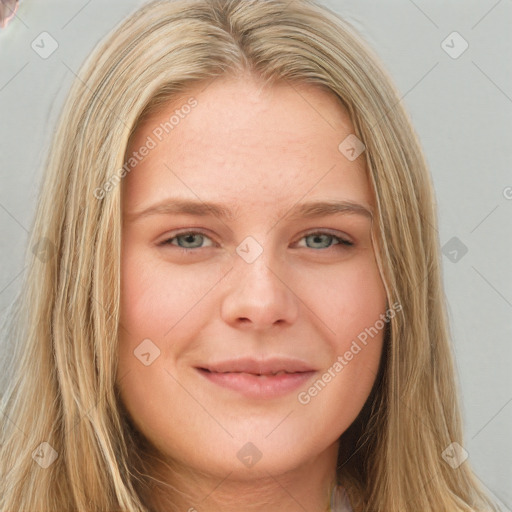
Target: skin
(259, 152)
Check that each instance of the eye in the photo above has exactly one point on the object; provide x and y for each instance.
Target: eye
(323, 239)
(188, 240)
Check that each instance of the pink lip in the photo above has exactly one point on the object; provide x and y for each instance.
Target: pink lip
(256, 378)
(258, 386)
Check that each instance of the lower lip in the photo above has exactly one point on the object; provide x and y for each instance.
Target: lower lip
(259, 386)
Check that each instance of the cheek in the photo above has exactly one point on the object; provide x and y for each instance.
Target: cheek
(155, 295)
(351, 304)
(362, 299)
(347, 299)
(343, 303)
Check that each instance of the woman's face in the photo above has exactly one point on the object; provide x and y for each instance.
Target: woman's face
(216, 300)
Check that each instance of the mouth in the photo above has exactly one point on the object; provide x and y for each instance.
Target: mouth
(256, 374)
(257, 378)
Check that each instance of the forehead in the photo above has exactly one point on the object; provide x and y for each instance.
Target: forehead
(237, 141)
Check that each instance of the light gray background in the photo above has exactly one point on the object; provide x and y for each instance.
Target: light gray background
(461, 108)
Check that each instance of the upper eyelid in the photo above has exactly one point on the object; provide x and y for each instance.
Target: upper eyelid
(187, 232)
(314, 231)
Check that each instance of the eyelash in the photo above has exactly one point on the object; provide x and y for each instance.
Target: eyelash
(342, 242)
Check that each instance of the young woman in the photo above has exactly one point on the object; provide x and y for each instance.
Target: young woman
(234, 298)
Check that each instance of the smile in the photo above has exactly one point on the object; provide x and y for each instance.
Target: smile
(258, 379)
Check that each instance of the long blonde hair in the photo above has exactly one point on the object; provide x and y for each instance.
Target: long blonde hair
(62, 388)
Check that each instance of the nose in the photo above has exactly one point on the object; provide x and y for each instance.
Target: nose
(259, 295)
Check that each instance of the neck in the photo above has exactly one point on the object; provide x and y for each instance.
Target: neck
(307, 487)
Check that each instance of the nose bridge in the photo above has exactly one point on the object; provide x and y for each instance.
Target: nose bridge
(250, 250)
(257, 292)
(255, 261)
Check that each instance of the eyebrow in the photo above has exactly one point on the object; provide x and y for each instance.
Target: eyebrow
(309, 210)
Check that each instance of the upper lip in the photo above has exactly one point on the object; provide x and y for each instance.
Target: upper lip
(259, 366)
